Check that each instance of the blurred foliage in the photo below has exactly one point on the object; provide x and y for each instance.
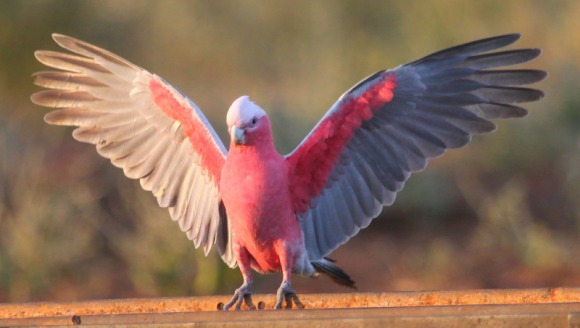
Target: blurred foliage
(504, 212)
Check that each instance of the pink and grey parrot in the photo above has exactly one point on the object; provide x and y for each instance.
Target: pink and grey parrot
(283, 213)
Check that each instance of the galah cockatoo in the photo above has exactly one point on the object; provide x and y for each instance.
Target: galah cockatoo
(282, 213)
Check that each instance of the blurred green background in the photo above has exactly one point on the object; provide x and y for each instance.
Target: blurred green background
(501, 213)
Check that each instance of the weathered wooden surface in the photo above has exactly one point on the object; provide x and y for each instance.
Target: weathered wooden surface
(554, 307)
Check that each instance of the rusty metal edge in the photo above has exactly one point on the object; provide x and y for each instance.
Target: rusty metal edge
(555, 314)
(311, 301)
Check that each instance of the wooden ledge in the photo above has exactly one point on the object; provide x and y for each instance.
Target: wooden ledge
(554, 306)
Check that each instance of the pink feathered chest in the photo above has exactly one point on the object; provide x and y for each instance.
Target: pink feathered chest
(254, 189)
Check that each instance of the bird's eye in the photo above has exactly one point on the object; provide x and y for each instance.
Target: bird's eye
(254, 120)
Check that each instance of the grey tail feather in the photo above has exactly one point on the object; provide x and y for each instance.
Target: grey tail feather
(327, 266)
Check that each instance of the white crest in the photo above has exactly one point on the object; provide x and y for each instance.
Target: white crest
(242, 111)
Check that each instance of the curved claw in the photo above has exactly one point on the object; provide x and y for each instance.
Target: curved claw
(242, 294)
(286, 293)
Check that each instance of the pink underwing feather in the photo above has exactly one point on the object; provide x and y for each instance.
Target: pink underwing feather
(193, 127)
(314, 159)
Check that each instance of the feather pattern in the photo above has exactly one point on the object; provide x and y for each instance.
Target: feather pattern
(141, 123)
(390, 124)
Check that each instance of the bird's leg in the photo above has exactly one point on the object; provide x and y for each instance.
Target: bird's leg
(242, 294)
(285, 291)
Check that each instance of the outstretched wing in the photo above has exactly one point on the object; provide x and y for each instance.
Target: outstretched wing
(389, 125)
(141, 123)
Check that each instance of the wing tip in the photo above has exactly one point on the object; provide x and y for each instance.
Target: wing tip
(538, 75)
(57, 37)
(37, 98)
(35, 77)
(51, 58)
(56, 117)
(513, 36)
(535, 52)
(488, 128)
(539, 94)
(40, 54)
(519, 113)
(49, 119)
(508, 39)
(65, 41)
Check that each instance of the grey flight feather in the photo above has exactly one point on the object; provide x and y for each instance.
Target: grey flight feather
(440, 101)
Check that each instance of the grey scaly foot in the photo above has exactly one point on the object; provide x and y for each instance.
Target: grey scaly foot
(286, 293)
(242, 294)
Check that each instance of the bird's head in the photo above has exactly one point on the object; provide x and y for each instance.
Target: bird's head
(247, 122)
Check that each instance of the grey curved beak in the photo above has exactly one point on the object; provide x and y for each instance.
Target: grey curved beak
(238, 135)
